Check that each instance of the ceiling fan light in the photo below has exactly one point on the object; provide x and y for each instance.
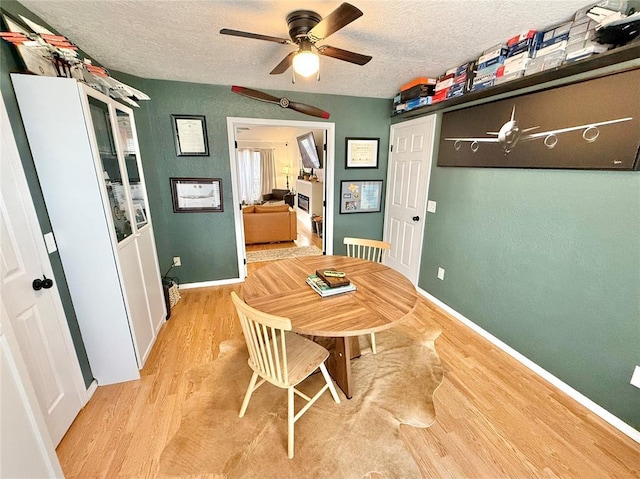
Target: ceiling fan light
(306, 63)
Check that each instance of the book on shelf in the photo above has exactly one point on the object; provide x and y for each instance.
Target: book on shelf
(323, 288)
(333, 278)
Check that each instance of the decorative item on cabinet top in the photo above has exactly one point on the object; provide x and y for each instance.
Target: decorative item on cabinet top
(44, 53)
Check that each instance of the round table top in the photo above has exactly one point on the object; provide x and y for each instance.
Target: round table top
(383, 296)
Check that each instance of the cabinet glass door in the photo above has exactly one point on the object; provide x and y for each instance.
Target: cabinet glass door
(110, 168)
(130, 155)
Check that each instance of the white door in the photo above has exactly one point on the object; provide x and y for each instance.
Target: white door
(37, 317)
(26, 448)
(407, 187)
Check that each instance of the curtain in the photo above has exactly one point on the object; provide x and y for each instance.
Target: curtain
(267, 170)
(249, 176)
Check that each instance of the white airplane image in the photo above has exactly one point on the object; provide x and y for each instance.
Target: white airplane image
(510, 134)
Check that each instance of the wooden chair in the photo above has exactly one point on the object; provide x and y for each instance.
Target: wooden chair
(281, 358)
(372, 250)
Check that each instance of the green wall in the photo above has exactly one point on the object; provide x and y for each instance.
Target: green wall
(206, 241)
(548, 261)
(10, 63)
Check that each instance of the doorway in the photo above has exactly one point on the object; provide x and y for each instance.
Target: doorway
(280, 138)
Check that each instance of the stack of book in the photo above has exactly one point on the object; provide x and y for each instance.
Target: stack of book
(330, 282)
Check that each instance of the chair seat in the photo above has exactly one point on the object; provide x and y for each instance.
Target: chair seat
(303, 357)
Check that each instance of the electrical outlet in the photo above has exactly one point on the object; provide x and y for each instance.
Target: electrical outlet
(176, 261)
(431, 206)
(635, 378)
(441, 273)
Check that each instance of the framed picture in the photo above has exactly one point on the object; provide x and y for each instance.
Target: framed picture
(196, 195)
(552, 128)
(190, 133)
(141, 216)
(363, 196)
(362, 152)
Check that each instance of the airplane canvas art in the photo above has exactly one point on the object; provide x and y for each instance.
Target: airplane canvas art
(589, 125)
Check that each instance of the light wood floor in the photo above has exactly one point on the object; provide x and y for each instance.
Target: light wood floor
(494, 418)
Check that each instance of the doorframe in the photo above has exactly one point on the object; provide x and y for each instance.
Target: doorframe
(329, 174)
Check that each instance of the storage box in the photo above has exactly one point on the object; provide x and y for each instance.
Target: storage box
(523, 36)
(418, 81)
(418, 90)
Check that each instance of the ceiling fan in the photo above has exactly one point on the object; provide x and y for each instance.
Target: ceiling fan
(305, 29)
(283, 102)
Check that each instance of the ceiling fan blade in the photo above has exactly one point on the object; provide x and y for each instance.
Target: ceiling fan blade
(255, 94)
(308, 110)
(255, 36)
(340, 17)
(344, 55)
(284, 65)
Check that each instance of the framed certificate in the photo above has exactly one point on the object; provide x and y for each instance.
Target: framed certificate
(362, 152)
(190, 133)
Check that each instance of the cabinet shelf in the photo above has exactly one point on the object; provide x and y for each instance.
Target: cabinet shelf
(595, 62)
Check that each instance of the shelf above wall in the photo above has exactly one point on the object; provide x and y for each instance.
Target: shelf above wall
(596, 62)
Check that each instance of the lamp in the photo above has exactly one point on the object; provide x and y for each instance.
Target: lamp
(286, 170)
(305, 62)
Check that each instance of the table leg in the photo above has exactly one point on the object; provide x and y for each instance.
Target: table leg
(339, 363)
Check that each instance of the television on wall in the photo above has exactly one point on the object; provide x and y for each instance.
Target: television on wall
(309, 151)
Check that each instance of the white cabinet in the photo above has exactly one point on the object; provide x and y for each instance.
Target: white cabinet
(85, 149)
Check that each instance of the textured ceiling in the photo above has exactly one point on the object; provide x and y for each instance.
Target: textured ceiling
(179, 40)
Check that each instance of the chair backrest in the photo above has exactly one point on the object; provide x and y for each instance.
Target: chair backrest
(372, 250)
(265, 337)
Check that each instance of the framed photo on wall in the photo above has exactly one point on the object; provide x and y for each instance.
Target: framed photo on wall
(196, 195)
(362, 152)
(360, 196)
(190, 135)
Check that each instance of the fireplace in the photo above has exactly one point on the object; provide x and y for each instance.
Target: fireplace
(303, 202)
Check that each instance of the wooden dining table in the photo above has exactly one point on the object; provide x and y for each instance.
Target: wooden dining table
(383, 297)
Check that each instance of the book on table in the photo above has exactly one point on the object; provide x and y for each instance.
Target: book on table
(324, 290)
(333, 278)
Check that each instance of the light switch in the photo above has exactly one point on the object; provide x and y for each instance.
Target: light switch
(50, 241)
(431, 206)
(441, 273)
(635, 378)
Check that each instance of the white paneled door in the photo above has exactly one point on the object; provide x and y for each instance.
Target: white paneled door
(407, 188)
(35, 309)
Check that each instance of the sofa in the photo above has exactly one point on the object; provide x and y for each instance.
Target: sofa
(278, 195)
(269, 224)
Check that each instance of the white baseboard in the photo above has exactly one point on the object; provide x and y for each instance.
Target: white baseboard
(544, 374)
(92, 389)
(204, 284)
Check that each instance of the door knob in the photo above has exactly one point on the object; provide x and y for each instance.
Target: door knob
(44, 283)
(416, 218)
